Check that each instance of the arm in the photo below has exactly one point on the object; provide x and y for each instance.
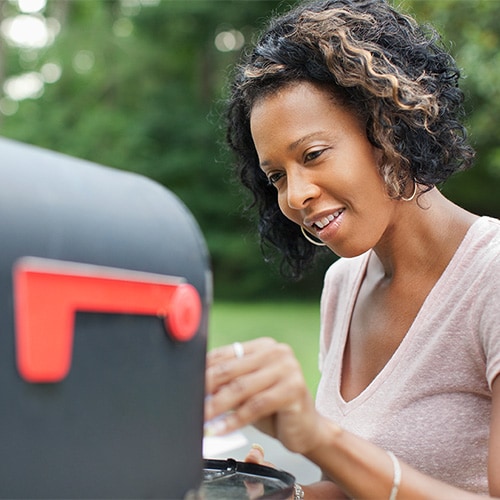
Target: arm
(266, 387)
(494, 443)
(365, 470)
(322, 490)
(319, 490)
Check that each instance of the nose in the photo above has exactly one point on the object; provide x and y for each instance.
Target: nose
(300, 190)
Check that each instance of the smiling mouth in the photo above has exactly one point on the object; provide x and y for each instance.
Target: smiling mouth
(322, 223)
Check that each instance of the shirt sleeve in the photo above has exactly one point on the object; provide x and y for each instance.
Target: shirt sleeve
(489, 311)
(490, 330)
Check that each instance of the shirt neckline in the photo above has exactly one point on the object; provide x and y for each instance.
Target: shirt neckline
(393, 361)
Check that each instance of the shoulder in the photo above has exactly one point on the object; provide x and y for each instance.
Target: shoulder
(487, 230)
(472, 277)
(482, 246)
(480, 286)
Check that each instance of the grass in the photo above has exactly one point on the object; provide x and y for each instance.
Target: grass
(296, 324)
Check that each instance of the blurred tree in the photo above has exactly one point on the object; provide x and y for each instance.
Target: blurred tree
(139, 85)
(471, 30)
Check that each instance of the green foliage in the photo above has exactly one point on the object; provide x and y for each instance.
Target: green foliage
(293, 323)
(142, 89)
(471, 30)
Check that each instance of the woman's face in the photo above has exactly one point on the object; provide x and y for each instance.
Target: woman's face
(316, 153)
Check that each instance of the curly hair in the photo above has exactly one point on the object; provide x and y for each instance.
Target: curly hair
(381, 64)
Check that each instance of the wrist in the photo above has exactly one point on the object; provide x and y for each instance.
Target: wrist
(327, 434)
(397, 476)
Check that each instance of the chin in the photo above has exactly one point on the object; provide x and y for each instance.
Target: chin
(348, 252)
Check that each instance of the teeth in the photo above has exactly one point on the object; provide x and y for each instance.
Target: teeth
(326, 220)
(323, 222)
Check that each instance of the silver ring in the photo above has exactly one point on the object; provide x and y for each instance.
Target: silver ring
(239, 350)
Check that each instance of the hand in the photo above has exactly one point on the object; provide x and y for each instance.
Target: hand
(320, 490)
(264, 387)
(256, 489)
(256, 456)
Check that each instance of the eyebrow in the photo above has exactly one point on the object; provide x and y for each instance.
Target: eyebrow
(294, 145)
(298, 142)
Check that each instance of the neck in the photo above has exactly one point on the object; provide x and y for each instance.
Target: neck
(423, 239)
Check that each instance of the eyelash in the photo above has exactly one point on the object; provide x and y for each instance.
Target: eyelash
(273, 178)
(312, 155)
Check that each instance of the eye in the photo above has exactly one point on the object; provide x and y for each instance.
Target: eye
(274, 177)
(312, 155)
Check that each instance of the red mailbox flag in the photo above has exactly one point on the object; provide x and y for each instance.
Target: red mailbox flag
(47, 293)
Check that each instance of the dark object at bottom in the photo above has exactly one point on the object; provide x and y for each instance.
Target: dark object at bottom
(232, 480)
(100, 400)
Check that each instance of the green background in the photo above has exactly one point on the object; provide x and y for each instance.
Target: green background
(142, 86)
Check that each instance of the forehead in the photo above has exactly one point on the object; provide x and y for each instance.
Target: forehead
(298, 110)
(283, 107)
(293, 94)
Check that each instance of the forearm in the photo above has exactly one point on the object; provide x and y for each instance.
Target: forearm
(364, 470)
(322, 490)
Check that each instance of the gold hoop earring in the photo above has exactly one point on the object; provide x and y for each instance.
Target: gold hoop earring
(413, 194)
(310, 240)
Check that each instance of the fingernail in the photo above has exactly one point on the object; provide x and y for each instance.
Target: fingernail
(257, 446)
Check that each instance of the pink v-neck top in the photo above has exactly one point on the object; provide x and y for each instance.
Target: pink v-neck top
(431, 403)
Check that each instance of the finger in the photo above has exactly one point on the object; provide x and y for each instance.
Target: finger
(255, 489)
(255, 455)
(231, 384)
(287, 399)
(244, 383)
(218, 375)
(223, 366)
(227, 352)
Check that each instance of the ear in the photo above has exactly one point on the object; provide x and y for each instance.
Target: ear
(388, 173)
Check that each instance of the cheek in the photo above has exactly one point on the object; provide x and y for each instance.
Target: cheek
(282, 205)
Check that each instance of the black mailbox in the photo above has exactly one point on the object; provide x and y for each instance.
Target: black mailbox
(105, 290)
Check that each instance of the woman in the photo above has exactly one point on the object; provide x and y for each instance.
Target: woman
(344, 119)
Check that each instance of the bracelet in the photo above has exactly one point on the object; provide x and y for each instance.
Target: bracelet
(397, 476)
(298, 492)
